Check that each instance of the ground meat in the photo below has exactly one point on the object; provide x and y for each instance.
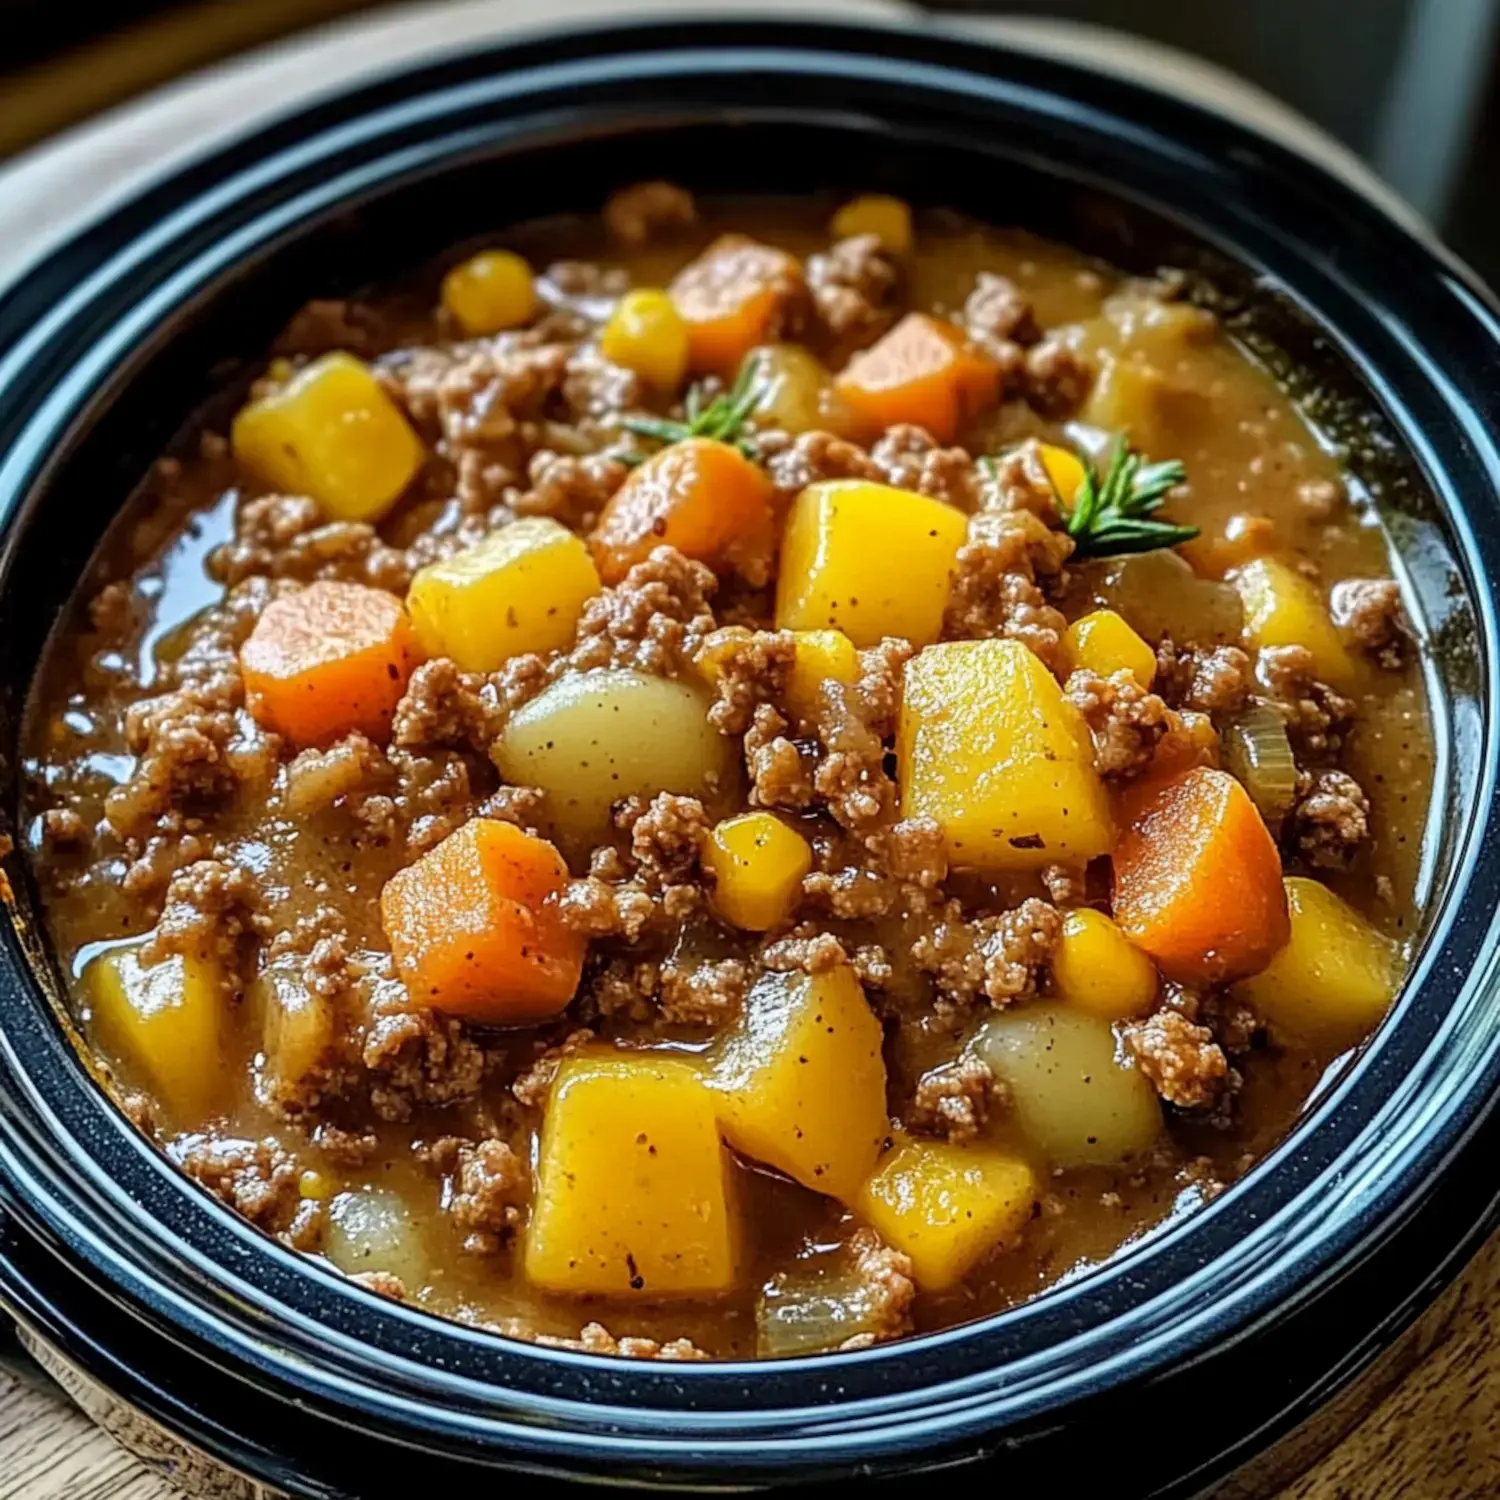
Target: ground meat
(605, 909)
(1057, 377)
(886, 1290)
(317, 779)
(474, 395)
(417, 1057)
(485, 1189)
(703, 992)
(1317, 716)
(1320, 499)
(1124, 719)
(594, 388)
(287, 536)
(913, 851)
(952, 1100)
(655, 620)
(910, 458)
(346, 1148)
(1017, 481)
(998, 315)
(63, 828)
(1212, 680)
(1330, 821)
(444, 707)
(255, 1178)
(853, 285)
(1065, 886)
(634, 214)
(568, 488)
(796, 462)
(595, 1338)
(668, 838)
(781, 773)
(999, 956)
(335, 323)
(807, 949)
(211, 909)
(521, 805)
(1181, 1059)
(533, 1086)
(993, 593)
(1371, 610)
(382, 1283)
(748, 668)
(854, 723)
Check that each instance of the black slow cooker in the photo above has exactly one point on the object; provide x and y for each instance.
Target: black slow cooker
(1159, 1373)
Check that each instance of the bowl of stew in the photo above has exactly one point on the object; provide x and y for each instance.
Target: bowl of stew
(711, 791)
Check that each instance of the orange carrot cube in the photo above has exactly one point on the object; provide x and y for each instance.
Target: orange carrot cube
(475, 930)
(730, 298)
(327, 660)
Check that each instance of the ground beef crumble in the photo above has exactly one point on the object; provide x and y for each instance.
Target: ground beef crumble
(953, 1100)
(1370, 609)
(595, 1338)
(485, 1189)
(1181, 1059)
(1210, 680)
(910, 458)
(638, 213)
(1330, 820)
(886, 1289)
(257, 1179)
(853, 284)
(656, 620)
(1126, 721)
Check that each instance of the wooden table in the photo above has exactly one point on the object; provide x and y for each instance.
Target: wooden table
(1437, 1435)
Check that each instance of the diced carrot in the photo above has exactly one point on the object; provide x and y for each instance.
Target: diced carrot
(700, 496)
(730, 298)
(1198, 881)
(1176, 752)
(329, 659)
(923, 371)
(475, 930)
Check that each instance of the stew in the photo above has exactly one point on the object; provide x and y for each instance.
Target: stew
(734, 779)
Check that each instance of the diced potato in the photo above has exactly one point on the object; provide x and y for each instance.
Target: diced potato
(887, 218)
(1159, 414)
(757, 862)
(1102, 642)
(634, 1190)
(521, 589)
(819, 656)
(801, 1080)
(490, 292)
(868, 560)
(989, 747)
(296, 1026)
(164, 1022)
(796, 391)
(1159, 594)
(1332, 983)
(1079, 1100)
(947, 1206)
(645, 333)
(1098, 970)
(331, 432)
(375, 1229)
(1283, 608)
(595, 737)
(1064, 469)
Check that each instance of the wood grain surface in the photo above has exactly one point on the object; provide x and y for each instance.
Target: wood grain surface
(1435, 1437)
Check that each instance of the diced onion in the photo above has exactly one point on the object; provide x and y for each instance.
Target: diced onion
(1256, 750)
(812, 1308)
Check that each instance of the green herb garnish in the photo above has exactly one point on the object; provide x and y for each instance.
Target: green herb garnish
(1114, 515)
(723, 418)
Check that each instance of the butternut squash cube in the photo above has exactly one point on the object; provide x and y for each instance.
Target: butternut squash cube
(332, 433)
(1333, 981)
(490, 292)
(520, 589)
(988, 746)
(757, 862)
(1283, 608)
(1102, 642)
(819, 656)
(1065, 470)
(801, 1080)
(887, 218)
(1097, 969)
(634, 1189)
(947, 1206)
(732, 298)
(868, 560)
(164, 1022)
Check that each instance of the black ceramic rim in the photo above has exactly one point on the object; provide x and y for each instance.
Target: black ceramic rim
(1388, 1142)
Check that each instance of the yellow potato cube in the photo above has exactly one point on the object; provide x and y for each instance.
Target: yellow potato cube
(989, 747)
(164, 1023)
(1097, 969)
(757, 862)
(1283, 608)
(868, 560)
(887, 218)
(1158, 414)
(333, 434)
(1064, 469)
(801, 1080)
(947, 1206)
(520, 589)
(635, 1192)
(820, 656)
(490, 292)
(645, 333)
(1334, 980)
(1102, 642)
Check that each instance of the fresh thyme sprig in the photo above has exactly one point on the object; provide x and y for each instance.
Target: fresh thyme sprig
(1114, 515)
(722, 418)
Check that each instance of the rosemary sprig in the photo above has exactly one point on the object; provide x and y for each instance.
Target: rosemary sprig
(722, 418)
(1114, 515)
